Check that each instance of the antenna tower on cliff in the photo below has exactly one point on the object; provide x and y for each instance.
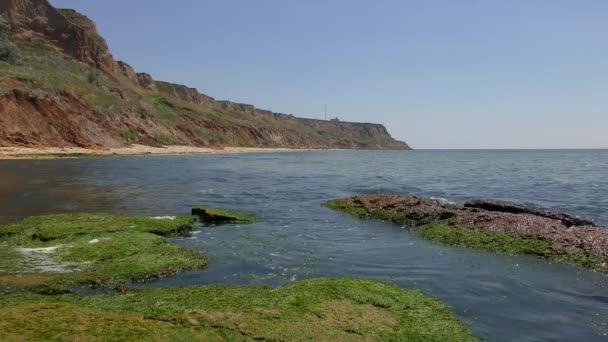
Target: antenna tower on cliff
(326, 112)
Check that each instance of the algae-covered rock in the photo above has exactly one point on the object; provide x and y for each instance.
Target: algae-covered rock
(94, 249)
(218, 215)
(514, 208)
(491, 225)
(311, 310)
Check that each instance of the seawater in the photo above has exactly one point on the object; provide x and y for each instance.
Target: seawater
(501, 297)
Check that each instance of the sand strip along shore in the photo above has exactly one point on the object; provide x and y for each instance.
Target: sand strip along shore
(63, 152)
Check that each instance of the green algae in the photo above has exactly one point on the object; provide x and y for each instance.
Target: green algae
(491, 241)
(359, 211)
(114, 248)
(219, 215)
(98, 249)
(318, 309)
(343, 206)
(504, 243)
(498, 242)
(10, 260)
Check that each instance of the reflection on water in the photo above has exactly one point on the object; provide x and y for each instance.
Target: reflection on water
(40, 187)
(505, 298)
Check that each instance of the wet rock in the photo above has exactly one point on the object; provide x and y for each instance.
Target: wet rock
(573, 238)
(121, 288)
(507, 207)
(408, 210)
(218, 215)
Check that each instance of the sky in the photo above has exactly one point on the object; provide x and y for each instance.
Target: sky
(437, 74)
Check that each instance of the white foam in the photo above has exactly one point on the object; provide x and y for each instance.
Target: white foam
(163, 218)
(43, 250)
(41, 259)
(442, 200)
(94, 241)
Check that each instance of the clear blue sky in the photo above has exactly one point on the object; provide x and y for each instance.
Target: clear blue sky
(438, 74)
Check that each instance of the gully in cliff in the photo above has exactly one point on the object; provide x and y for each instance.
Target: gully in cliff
(490, 225)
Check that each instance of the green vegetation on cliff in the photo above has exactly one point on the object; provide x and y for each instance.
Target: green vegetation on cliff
(319, 309)
(67, 73)
(9, 52)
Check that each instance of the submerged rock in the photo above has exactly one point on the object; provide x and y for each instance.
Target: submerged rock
(559, 236)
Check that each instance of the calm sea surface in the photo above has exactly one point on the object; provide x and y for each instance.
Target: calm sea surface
(501, 297)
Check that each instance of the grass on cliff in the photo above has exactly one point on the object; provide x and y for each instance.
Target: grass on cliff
(498, 242)
(96, 249)
(319, 309)
(45, 72)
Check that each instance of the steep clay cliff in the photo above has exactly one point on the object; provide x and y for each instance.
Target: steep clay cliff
(69, 91)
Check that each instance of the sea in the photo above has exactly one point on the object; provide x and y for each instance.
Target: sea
(500, 297)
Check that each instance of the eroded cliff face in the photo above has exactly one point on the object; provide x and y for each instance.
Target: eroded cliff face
(99, 102)
(73, 33)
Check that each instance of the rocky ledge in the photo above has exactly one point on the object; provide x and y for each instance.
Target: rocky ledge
(491, 225)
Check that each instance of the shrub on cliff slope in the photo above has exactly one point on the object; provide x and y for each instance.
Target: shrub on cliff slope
(8, 51)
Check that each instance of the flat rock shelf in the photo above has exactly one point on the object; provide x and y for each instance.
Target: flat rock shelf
(491, 225)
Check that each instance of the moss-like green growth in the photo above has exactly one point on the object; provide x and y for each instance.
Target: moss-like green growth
(504, 243)
(96, 249)
(491, 241)
(130, 135)
(320, 309)
(217, 215)
(359, 211)
(345, 207)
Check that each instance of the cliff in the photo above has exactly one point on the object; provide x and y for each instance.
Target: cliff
(69, 91)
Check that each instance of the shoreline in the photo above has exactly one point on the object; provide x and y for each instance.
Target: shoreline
(12, 153)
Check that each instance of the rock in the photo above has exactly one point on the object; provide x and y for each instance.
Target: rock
(570, 237)
(145, 80)
(121, 288)
(513, 208)
(190, 95)
(73, 33)
(217, 215)
(408, 210)
(128, 71)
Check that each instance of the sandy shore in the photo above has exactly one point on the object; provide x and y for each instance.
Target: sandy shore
(64, 152)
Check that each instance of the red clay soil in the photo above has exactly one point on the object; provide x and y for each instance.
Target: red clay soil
(63, 120)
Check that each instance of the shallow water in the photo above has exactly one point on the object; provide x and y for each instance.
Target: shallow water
(502, 297)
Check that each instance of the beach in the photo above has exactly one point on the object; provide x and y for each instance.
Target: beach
(135, 149)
